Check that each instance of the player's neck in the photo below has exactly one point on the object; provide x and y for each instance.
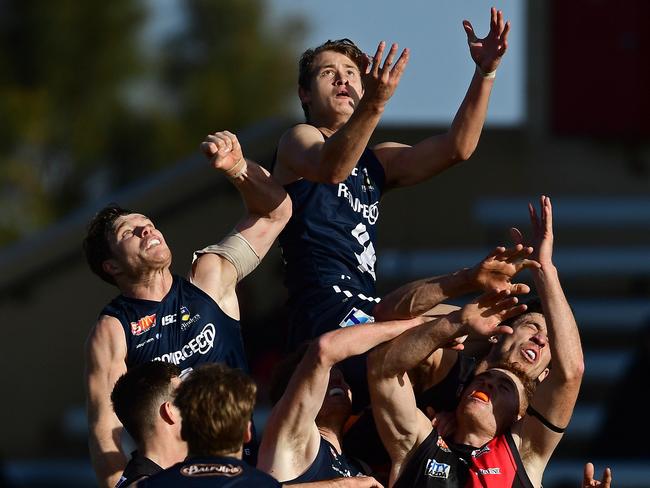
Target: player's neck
(333, 436)
(329, 124)
(472, 436)
(164, 451)
(151, 286)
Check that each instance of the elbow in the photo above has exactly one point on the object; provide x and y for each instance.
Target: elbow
(282, 213)
(462, 152)
(324, 350)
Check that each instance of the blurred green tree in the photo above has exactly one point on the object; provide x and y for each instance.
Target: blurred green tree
(84, 108)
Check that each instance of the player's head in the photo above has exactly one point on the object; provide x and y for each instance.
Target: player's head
(143, 396)
(495, 399)
(121, 242)
(527, 346)
(216, 403)
(330, 78)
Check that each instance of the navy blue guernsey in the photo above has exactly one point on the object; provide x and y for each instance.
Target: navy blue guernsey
(222, 472)
(330, 239)
(186, 328)
(328, 465)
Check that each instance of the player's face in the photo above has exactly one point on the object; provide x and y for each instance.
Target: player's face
(137, 245)
(335, 88)
(337, 403)
(494, 399)
(528, 345)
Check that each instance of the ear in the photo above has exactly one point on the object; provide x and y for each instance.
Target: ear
(543, 375)
(111, 267)
(304, 95)
(248, 433)
(168, 413)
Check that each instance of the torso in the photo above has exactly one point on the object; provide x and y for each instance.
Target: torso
(186, 328)
(329, 464)
(330, 239)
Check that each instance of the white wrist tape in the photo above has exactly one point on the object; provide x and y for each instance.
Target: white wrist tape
(490, 75)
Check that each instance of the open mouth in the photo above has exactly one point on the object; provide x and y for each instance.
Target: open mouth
(335, 392)
(152, 243)
(343, 94)
(530, 354)
(480, 395)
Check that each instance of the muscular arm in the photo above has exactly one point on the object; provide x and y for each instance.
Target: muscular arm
(105, 355)
(291, 438)
(268, 209)
(556, 396)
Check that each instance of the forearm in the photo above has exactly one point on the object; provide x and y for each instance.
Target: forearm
(415, 345)
(337, 345)
(262, 195)
(564, 338)
(341, 152)
(106, 456)
(417, 298)
(465, 131)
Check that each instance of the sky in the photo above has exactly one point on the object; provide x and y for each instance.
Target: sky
(440, 67)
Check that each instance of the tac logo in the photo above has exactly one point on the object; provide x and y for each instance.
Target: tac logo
(143, 324)
(436, 470)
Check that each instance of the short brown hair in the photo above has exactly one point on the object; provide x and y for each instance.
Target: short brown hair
(96, 244)
(216, 403)
(138, 393)
(306, 63)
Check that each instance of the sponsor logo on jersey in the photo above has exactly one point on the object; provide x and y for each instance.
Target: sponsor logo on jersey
(185, 314)
(201, 344)
(143, 324)
(479, 452)
(168, 319)
(436, 469)
(370, 212)
(442, 444)
(490, 471)
(356, 317)
(151, 339)
(198, 470)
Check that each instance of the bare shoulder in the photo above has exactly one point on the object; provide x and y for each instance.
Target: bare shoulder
(107, 333)
(298, 154)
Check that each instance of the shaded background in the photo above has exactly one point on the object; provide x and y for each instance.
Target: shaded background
(108, 101)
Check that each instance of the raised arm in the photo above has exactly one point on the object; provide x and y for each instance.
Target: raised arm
(401, 425)
(105, 355)
(555, 397)
(268, 208)
(291, 438)
(406, 165)
(303, 152)
(494, 273)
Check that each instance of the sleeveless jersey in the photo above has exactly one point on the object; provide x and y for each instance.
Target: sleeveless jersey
(330, 239)
(498, 465)
(433, 465)
(328, 464)
(137, 467)
(186, 328)
(221, 472)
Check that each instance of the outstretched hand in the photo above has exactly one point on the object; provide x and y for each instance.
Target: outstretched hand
(542, 231)
(483, 315)
(496, 271)
(487, 52)
(380, 81)
(223, 150)
(589, 482)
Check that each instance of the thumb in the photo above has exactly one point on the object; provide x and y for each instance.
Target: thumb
(471, 36)
(209, 149)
